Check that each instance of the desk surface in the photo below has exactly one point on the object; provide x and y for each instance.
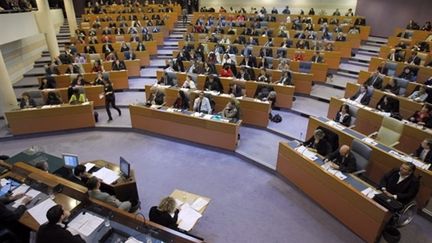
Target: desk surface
(343, 199)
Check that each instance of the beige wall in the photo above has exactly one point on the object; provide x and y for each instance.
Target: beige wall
(295, 5)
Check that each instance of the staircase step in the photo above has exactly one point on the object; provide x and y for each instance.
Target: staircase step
(377, 39)
(361, 58)
(358, 62)
(350, 68)
(26, 82)
(310, 107)
(325, 92)
(35, 72)
(370, 48)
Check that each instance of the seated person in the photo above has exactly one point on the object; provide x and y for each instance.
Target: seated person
(226, 71)
(47, 83)
(98, 67)
(243, 74)
(407, 73)
(342, 160)
(420, 95)
(235, 90)
(77, 97)
(318, 143)
(79, 175)
(285, 79)
(414, 59)
(422, 117)
(401, 184)
(93, 185)
(264, 76)
(167, 80)
(375, 80)
(157, 97)
(317, 58)
(343, 116)
(362, 96)
(388, 104)
(162, 214)
(424, 151)
(213, 83)
(53, 231)
(189, 83)
(392, 87)
(202, 104)
(26, 101)
(42, 165)
(231, 110)
(51, 69)
(53, 99)
(182, 101)
(10, 218)
(118, 65)
(140, 47)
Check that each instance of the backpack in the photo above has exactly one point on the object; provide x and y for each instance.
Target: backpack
(276, 118)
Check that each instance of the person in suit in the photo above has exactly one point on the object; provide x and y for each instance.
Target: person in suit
(182, 101)
(89, 50)
(162, 214)
(202, 104)
(375, 80)
(286, 78)
(392, 87)
(9, 218)
(414, 59)
(107, 48)
(344, 116)
(318, 143)
(400, 183)
(423, 152)
(317, 58)
(243, 74)
(157, 97)
(118, 65)
(235, 90)
(26, 101)
(93, 184)
(79, 175)
(52, 231)
(342, 160)
(362, 96)
(388, 104)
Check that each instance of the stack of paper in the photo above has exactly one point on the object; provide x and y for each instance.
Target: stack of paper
(335, 125)
(89, 166)
(306, 152)
(133, 240)
(21, 190)
(39, 211)
(187, 217)
(106, 175)
(32, 193)
(3, 182)
(332, 171)
(85, 224)
(369, 192)
(199, 204)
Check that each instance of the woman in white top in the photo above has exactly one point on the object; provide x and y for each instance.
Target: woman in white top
(189, 83)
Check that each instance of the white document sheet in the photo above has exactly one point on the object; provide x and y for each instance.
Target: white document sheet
(21, 189)
(187, 217)
(85, 224)
(89, 166)
(369, 141)
(199, 204)
(39, 211)
(133, 240)
(106, 175)
(31, 193)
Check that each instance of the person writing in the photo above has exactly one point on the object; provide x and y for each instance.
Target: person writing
(231, 110)
(53, 231)
(342, 160)
(318, 143)
(162, 214)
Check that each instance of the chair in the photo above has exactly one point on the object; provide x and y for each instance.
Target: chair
(331, 137)
(389, 132)
(353, 111)
(403, 83)
(269, 62)
(305, 67)
(362, 153)
(106, 75)
(94, 57)
(37, 97)
(391, 68)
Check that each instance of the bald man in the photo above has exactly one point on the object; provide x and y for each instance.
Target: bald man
(342, 160)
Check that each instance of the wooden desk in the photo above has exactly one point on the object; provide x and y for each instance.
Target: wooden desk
(342, 199)
(124, 188)
(62, 117)
(119, 79)
(91, 92)
(252, 111)
(209, 132)
(380, 162)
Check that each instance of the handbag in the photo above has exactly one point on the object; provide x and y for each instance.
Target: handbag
(388, 202)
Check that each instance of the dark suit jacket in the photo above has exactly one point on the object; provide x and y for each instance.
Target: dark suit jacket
(322, 147)
(428, 158)
(163, 218)
(346, 164)
(405, 191)
(345, 121)
(365, 100)
(49, 233)
(237, 92)
(375, 82)
(9, 218)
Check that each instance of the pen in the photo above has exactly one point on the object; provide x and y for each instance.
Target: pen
(36, 202)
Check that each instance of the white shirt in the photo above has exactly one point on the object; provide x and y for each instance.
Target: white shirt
(360, 97)
(423, 154)
(205, 105)
(190, 84)
(401, 178)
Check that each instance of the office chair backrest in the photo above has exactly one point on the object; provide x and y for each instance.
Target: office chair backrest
(362, 153)
(37, 97)
(390, 131)
(305, 67)
(403, 83)
(106, 75)
(73, 76)
(391, 67)
(94, 57)
(353, 111)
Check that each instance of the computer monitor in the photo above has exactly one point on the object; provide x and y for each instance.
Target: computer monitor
(124, 167)
(70, 160)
